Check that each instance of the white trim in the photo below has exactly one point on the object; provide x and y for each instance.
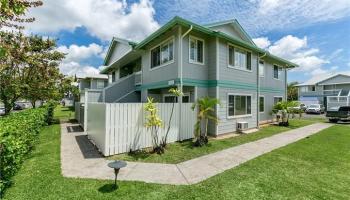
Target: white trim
(189, 50)
(264, 103)
(276, 97)
(234, 50)
(160, 45)
(238, 116)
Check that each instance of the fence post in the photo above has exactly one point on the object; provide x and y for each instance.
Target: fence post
(85, 110)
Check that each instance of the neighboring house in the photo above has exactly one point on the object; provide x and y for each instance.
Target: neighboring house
(93, 82)
(217, 60)
(316, 90)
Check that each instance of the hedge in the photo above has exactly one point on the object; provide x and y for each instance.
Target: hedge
(18, 133)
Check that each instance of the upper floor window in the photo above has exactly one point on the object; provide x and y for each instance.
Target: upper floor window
(261, 68)
(277, 72)
(162, 54)
(239, 58)
(100, 84)
(239, 105)
(313, 88)
(196, 50)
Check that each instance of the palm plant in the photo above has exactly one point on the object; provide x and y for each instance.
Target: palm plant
(283, 109)
(205, 113)
(177, 93)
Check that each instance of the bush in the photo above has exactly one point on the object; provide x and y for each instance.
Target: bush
(18, 133)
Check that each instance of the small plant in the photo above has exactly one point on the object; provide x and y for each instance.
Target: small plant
(283, 110)
(153, 122)
(206, 112)
(177, 93)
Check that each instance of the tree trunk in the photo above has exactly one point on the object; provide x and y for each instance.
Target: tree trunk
(167, 132)
(33, 104)
(206, 127)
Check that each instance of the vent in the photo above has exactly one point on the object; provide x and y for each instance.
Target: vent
(241, 126)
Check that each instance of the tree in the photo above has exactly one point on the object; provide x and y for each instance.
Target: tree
(177, 93)
(206, 112)
(12, 12)
(154, 122)
(67, 87)
(292, 91)
(11, 67)
(41, 76)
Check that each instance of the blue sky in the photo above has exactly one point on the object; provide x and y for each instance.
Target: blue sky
(314, 34)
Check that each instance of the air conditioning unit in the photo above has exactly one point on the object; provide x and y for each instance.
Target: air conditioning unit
(241, 126)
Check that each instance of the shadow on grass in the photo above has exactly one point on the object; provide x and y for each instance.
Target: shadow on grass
(139, 154)
(108, 188)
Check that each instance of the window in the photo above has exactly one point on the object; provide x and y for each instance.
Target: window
(304, 89)
(100, 84)
(239, 58)
(276, 100)
(196, 50)
(277, 72)
(313, 88)
(261, 68)
(261, 104)
(162, 54)
(239, 105)
(171, 99)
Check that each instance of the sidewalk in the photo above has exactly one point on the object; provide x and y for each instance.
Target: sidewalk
(80, 159)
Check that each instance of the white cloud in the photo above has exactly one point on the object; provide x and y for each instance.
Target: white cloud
(296, 50)
(103, 18)
(262, 42)
(76, 55)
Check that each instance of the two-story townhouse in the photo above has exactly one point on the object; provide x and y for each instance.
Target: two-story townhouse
(92, 82)
(317, 90)
(217, 60)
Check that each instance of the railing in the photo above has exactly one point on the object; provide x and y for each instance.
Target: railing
(138, 78)
(119, 88)
(337, 101)
(321, 93)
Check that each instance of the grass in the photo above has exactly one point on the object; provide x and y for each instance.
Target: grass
(181, 151)
(64, 113)
(313, 168)
(316, 167)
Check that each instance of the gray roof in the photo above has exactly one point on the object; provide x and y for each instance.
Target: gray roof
(320, 78)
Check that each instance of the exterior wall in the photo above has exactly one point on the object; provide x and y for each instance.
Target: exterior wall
(166, 72)
(119, 50)
(268, 105)
(336, 80)
(227, 124)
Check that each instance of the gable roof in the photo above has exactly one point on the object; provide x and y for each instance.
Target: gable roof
(235, 24)
(319, 79)
(114, 42)
(180, 21)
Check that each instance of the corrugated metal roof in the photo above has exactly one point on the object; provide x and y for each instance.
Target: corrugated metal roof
(320, 78)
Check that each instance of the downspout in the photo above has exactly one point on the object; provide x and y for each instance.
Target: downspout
(181, 66)
(258, 90)
(181, 63)
(285, 84)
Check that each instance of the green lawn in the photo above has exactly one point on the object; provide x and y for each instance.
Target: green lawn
(64, 113)
(313, 168)
(182, 151)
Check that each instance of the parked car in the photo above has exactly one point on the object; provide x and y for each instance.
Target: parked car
(2, 111)
(315, 108)
(18, 106)
(340, 114)
(301, 107)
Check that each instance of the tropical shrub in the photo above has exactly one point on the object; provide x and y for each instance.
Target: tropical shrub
(154, 122)
(283, 110)
(206, 112)
(18, 133)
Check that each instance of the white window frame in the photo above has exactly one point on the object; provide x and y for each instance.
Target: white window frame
(242, 49)
(276, 97)
(263, 96)
(171, 95)
(189, 50)
(100, 82)
(238, 116)
(279, 72)
(263, 68)
(168, 40)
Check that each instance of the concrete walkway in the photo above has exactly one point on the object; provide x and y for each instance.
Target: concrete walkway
(80, 159)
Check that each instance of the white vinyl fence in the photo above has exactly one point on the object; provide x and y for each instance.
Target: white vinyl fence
(337, 101)
(119, 127)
